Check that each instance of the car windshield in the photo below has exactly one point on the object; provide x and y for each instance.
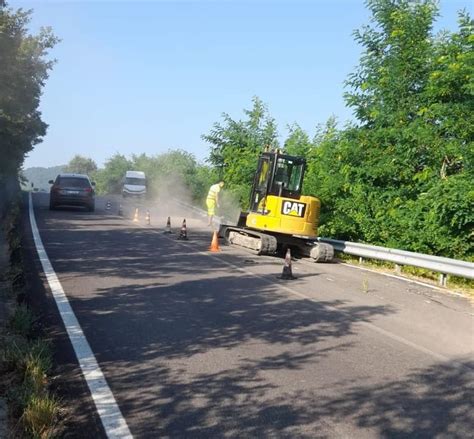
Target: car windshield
(135, 181)
(73, 182)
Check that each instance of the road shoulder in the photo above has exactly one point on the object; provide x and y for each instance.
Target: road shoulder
(80, 419)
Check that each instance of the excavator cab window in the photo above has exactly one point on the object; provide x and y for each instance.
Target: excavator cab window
(261, 183)
(279, 175)
(288, 177)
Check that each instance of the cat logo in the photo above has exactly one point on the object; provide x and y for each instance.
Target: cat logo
(292, 208)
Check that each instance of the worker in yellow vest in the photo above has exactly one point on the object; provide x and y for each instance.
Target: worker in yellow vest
(213, 200)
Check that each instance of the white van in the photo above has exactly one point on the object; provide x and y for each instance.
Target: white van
(134, 184)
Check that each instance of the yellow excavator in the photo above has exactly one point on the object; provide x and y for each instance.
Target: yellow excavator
(279, 216)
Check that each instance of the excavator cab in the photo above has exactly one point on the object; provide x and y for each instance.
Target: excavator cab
(276, 203)
(279, 175)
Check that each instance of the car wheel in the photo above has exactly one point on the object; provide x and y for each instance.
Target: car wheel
(52, 206)
(91, 208)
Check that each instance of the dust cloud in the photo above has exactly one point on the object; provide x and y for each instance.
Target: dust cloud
(170, 193)
(229, 207)
(171, 196)
(175, 198)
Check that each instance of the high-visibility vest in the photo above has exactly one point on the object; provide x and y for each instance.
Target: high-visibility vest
(213, 191)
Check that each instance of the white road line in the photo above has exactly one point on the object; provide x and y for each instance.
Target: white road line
(112, 419)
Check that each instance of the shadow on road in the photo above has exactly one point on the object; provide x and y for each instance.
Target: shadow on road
(240, 402)
(190, 317)
(435, 401)
(137, 331)
(163, 327)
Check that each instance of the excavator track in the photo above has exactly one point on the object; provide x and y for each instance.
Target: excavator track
(318, 252)
(306, 247)
(266, 244)
(259, 243)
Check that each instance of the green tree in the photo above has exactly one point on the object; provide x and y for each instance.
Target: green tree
(109, 179)
(329, 178)
(23, 73)
(445, 206)
(236, 146)
(298, 142)
(386, 91)
(403, 176)
(81, 165)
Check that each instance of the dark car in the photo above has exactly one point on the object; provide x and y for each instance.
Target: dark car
(72, 190)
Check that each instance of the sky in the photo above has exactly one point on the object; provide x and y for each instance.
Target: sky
(146, 77)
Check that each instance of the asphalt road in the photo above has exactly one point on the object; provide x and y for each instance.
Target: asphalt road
(195, 344)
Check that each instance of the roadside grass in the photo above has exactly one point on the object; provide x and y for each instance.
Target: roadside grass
(22, 320)
(458, 284)
(25, 356)
(40, 415)
(28, 362)
(16, 277)
(365, 285)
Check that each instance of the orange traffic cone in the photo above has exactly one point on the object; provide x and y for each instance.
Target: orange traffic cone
(214, 243)
(287, 273)
(147, 217)
(168, 226)
(183, 234)
(135, 217)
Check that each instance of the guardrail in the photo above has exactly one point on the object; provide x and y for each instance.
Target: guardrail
(444, 266)
(441, 265)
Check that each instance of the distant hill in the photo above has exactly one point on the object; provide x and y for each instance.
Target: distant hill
(40, 176)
